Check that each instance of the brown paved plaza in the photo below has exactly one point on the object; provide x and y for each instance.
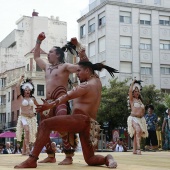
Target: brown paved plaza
(159, 160)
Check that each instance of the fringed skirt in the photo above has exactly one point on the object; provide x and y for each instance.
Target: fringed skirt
(141, 122)
(32, 124)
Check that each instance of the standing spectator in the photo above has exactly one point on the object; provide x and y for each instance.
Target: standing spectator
(17, 149)
(166, 131)
(151, 121)
(7, 149)
(119, 146)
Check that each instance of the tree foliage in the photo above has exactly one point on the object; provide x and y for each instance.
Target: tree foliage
(113, 106)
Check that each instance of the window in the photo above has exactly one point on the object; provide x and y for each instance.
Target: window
(13, 94)
(145, 19)
(102, 19)
(145, 44)
(164, 20)
(8, 96)
(82, 31)
(91, 25)
(125, 67)
(165, 90)
(125, 42)
(40, 90)
(165, 45)
(123, 0)
(2, 82)
(165, 69)
(102, 44)
(125, 17)
(12, 116)
(146, 69)
(28, 67)
(38, 68)
(17, 113)
(91, 49)
(138, 1)
(2, 99)
(157, 2)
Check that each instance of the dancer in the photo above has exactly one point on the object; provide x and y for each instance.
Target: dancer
(87, 97)
(137, 127)
(56, 76)
(27, 119)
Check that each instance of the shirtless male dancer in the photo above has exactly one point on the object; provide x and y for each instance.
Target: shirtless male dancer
(56, 76)
(86, 101)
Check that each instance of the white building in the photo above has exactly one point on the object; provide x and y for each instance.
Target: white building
(132, 36)
(16, 59)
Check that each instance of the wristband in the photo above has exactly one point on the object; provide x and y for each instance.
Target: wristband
(38, 41)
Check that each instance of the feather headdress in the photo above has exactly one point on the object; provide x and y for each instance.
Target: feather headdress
(27, 85)
(137, 84)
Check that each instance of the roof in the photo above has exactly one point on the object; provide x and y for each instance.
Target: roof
(32, 51)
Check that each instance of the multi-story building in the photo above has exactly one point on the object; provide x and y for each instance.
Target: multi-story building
(132, 36)
(16, 59)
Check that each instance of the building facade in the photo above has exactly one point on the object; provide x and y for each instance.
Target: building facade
(16, 59)
(132, 36)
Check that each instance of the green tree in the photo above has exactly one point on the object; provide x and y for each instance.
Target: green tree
(113, 106)
(153, 96)
(167, 100)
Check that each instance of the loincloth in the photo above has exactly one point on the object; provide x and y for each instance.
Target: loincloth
(94, 132)
(141, 122)
(60, 90)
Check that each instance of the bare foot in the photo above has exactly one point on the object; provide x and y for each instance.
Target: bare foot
(135, 152)
(29, 163)
(111, 163)
(66, 161)
(48, 160)
(138, 152)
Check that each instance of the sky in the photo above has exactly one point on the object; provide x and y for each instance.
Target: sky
(66, 10)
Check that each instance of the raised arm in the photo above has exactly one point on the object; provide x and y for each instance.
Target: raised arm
(80, 49)
(130, 92)
(40, 62)
(72, 68)
(18, 86)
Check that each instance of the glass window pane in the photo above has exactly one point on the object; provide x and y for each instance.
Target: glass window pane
(141, 21)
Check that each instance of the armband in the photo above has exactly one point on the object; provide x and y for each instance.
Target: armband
(38, 41)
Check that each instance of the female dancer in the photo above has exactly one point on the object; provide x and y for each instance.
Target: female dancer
(136, 122)
(27, 119)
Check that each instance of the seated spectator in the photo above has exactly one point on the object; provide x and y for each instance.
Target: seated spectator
(17, 149)
(1, 148)
(58, 149)
(119, 146)
(7, 149)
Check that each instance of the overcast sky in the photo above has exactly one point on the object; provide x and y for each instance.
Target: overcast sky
(66, 10)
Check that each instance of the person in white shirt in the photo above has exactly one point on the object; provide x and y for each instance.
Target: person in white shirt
(119, 146)
(7, 149)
